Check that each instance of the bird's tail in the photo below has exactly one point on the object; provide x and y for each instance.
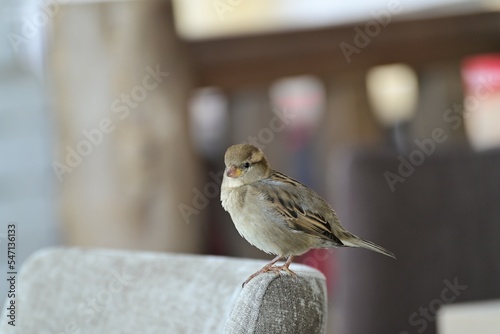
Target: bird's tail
(354, 241)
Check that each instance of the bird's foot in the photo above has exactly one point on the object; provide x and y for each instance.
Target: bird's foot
(270, 267)
(284, 268)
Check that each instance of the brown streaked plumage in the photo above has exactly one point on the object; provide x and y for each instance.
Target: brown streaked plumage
(278, 214)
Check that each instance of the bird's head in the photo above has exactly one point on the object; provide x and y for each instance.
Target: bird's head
(245, 164)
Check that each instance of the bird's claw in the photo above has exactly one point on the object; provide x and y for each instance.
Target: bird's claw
(275, 269)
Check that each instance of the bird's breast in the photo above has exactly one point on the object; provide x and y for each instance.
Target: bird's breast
(259, 224)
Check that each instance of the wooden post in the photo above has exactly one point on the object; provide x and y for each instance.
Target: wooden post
(120, 81)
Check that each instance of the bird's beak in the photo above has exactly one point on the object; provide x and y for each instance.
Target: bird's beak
(233, 171)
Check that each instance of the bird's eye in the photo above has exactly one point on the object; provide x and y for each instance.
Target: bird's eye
(246, 165)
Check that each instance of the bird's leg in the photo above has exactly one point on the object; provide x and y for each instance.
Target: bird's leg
(276, 259)
(266, 268)
(270, 267)
(286, 266)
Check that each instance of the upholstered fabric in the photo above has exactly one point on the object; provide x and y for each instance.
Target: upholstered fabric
(108, 291)
(261, 307)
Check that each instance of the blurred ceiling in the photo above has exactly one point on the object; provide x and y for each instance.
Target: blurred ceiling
(198, 19)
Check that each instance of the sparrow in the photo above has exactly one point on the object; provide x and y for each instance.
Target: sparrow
(278, 214)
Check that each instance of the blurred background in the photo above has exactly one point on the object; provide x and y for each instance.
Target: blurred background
(115, 115)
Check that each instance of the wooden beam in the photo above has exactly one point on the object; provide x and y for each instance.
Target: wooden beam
(232, 62)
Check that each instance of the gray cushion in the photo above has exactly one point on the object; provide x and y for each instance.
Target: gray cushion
(281, 304)
(109, 291)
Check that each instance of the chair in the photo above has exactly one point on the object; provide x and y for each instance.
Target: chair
(68, 290)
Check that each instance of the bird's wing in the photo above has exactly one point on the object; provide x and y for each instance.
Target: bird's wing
(303, 209)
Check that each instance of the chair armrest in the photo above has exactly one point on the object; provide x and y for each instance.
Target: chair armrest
(70, 290)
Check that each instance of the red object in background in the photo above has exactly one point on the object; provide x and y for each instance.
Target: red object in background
(480, 72)
(481, 106)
